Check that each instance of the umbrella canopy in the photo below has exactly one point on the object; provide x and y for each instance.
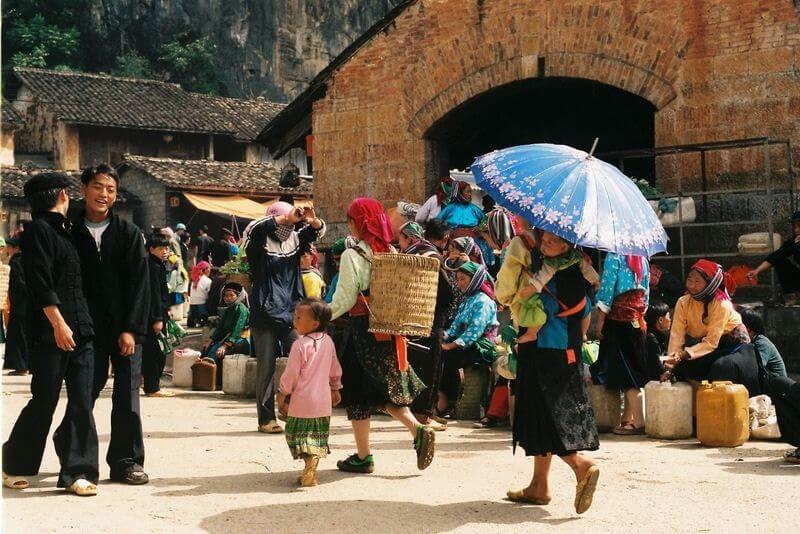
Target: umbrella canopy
(578, 197)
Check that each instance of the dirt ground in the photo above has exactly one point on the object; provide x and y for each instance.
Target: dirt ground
(211, 471)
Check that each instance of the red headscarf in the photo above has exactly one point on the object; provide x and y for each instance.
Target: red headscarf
(636, 264)
(719, 283)
(197, 272)
(372, 223)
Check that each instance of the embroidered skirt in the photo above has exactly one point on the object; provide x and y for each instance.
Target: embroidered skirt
(308, 437)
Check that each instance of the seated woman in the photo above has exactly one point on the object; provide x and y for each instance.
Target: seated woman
(468, 341)
(461, 212)
(436, 202)
(708, 340)
(230, 336)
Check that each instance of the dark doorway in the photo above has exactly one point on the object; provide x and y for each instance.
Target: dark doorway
(570, 111)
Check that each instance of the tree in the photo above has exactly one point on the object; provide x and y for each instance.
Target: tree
(190, 62)
(39, 44)
(133, 65)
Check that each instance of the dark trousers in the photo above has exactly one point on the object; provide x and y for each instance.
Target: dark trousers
(269, 342)
(126, 446)
(455, 360)
(75, 438)
(153, 361)
(785, 395)
(788, 275)
(740, 367)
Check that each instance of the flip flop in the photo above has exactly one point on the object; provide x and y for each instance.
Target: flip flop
(628, 429)
(584, 492)
(83, 488)
(519, 496)
(15, 482)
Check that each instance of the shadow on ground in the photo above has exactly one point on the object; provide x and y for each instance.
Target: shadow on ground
(376, 516)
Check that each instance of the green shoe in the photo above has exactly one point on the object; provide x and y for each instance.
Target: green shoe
(354, 464)
(425, 446)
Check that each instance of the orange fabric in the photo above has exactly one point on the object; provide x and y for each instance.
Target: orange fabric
(401, 346)
(571, 356)
(739, 274)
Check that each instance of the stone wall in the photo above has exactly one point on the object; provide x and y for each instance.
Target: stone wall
(714, 70)
(151, 208)
(782, 326)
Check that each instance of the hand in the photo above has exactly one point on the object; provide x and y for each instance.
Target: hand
(336, 397)
(63, 335)
(309, 214)
(527, 292)
(127, 344)
(158, 326)
(752, 275)
(596, 285)
(449, 346)
(294, 216)
(463, 257)
(221, 351)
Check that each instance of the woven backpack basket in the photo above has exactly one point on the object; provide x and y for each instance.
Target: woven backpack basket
(402, 292)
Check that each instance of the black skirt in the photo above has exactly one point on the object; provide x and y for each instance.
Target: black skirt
(623, 354)
(552, 412)
(370, 373)
(428, 365)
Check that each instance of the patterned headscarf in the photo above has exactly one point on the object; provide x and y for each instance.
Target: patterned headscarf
(413, 230)
(500, 226)
(443, 190)
(481, 280)
(372, 223)
(276, 209)
(461, 193)
(719, 284)
(468, 246)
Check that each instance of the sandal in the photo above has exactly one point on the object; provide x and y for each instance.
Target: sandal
(628, 429)
(486, 422)
(15, 482)
(270, 428)
(584, 492)
(83, 488)
(133, 477)
(792, 457)
(425, 446)
(519, 496)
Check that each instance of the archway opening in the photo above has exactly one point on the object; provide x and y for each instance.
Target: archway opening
(570, 111)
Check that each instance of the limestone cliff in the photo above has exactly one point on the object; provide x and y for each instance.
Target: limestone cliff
(270, 48)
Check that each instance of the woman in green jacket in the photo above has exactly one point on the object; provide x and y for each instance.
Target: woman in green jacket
(232, 334)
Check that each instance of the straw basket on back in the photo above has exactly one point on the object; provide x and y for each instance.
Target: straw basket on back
(403, 294)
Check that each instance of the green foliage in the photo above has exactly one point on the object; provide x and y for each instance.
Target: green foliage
(190, 62)
(36, 43)
(133, 65)
(648, 191)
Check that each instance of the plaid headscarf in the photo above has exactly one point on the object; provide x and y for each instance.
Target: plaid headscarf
(481, 280)
(468, 246)
(461, 193)
(413, 230)
(719, 284)
(500, 226)
(443, 190)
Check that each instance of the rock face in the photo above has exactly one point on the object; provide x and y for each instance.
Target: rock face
(271, 48)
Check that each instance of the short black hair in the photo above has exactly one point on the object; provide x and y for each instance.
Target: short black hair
(320, 310)
(752, 319)
(89, 173)
(203, 229)
(43, 201)
(655, 311)
(157, 240)
(436, 229)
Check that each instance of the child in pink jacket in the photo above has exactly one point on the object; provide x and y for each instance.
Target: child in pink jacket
(310, 385)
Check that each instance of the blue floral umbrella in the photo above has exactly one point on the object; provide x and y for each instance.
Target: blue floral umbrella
(574, 195)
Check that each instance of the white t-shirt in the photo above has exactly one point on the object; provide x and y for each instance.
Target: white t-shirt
(199, 294)
(429, 210)
(97, 229)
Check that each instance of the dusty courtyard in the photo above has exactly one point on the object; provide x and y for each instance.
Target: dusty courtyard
(210, 471)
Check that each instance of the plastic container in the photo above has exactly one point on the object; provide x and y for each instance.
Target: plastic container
(280, 367)
(250, 373)
(204, 375)
(668, 410)
(234, 373)
(607, 406)
(182, 361)
(723, 418)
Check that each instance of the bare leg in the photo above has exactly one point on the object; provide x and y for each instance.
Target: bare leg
(634, 408)
(404, 415)
(539, 487)
(443, 403)
(361, 435)
(579, 463)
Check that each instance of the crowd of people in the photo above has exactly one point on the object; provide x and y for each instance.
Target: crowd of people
(95, 292)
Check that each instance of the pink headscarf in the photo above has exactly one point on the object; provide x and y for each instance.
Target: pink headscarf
(197, 272)
(277, 209)
(372, 223)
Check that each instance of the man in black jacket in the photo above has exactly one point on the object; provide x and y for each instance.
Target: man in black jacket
(153, 359)
(115, 281)
(60, 331)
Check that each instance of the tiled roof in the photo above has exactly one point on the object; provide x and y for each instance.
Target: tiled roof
(222, 176)
(10, 116)
(14, 179)
(103, 100)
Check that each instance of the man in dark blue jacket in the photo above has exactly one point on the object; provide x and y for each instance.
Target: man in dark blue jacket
(115, 281)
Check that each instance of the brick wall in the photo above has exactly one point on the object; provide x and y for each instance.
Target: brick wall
(714, 70)
(151, 209)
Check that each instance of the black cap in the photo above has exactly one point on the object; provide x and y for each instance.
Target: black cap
(796, 216)
(45, 181)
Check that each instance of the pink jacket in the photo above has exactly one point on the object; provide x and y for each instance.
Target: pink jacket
(311, 373)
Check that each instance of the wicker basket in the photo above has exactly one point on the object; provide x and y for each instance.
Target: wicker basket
(403, 294)
(243, 279)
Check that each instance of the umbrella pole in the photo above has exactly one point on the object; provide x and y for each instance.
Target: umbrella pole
(594, 145)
